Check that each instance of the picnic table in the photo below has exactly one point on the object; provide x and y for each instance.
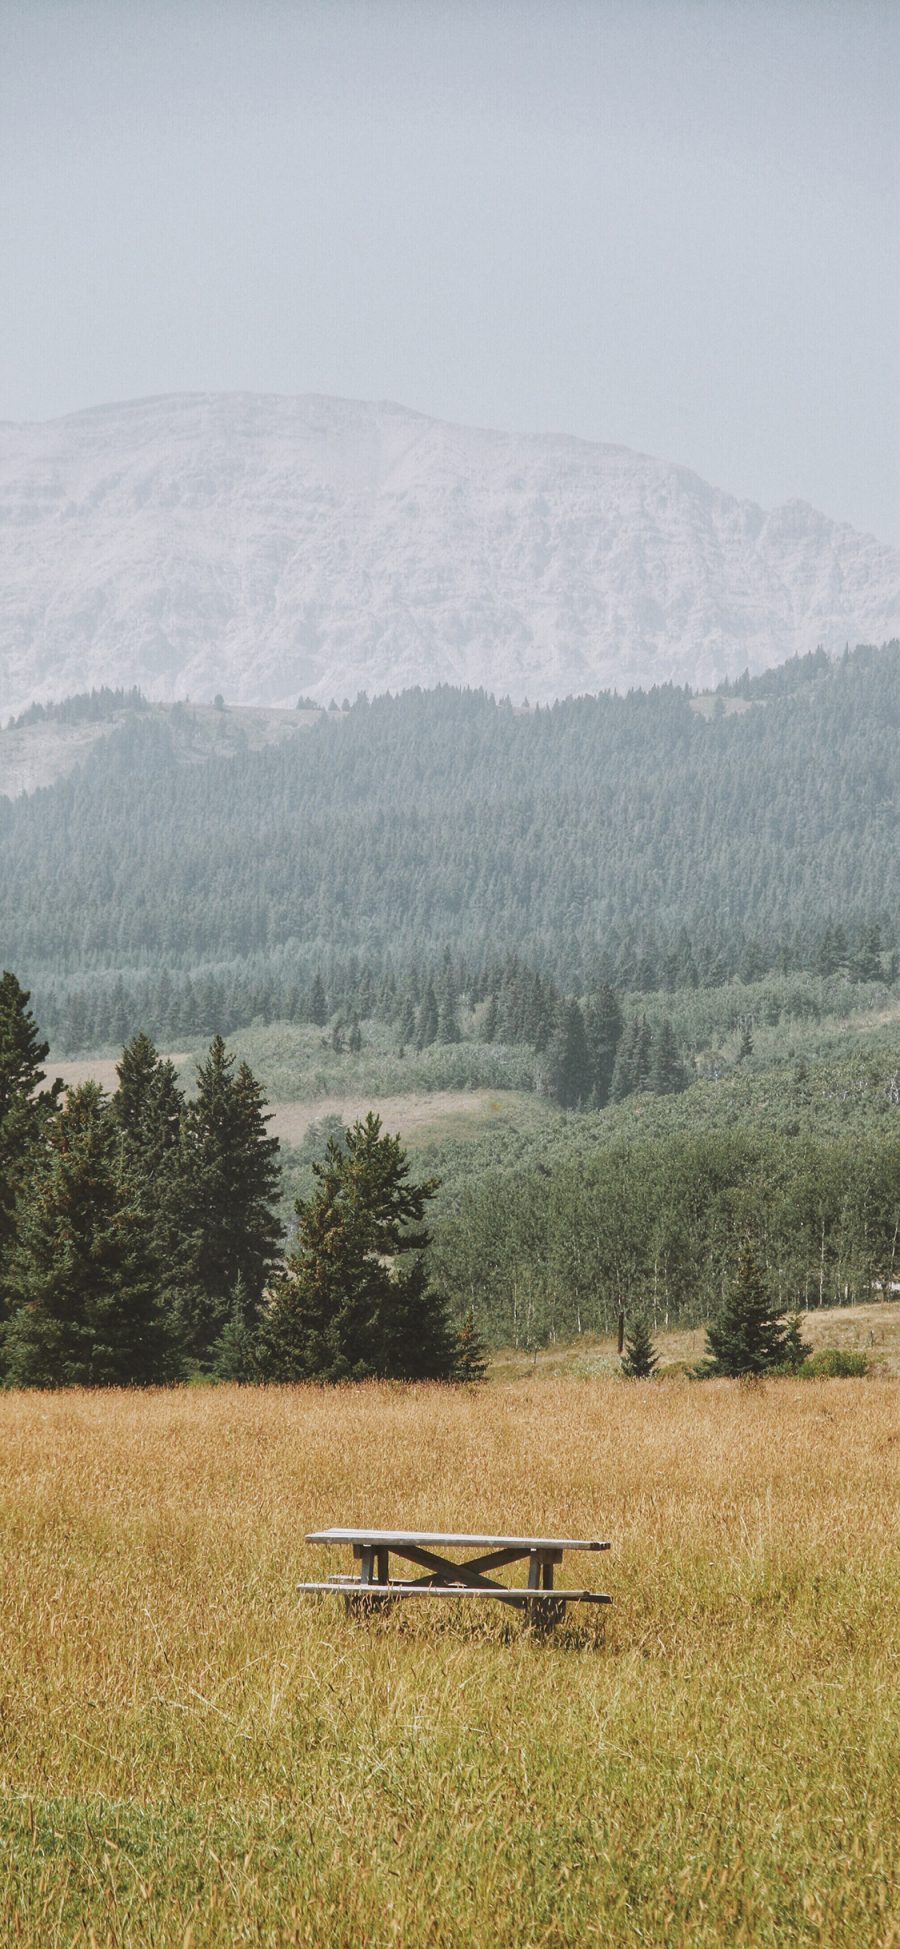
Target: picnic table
(443, 1576)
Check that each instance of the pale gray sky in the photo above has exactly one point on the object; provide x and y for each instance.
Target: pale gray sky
(661, 222)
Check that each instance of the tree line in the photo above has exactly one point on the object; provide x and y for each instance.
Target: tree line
(141, 1238)
(175, 1005)
(549, 1247)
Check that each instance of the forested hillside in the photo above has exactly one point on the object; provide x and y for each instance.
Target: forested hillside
(639, 841)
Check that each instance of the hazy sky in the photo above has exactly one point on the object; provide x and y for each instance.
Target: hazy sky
(670, 224)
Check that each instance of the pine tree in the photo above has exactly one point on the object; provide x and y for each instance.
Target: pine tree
(347, 1306)
(826, 959)
(118, 1013)
(318, 1007)
(448, 1029)
(640, 1357)
(747, 1337)
(407, 1030)
(866, 963)
(540, 1014)
(148, 1104)
(75, 1027)
(471, 1363)
(490, 1020)
(228, 1186)
(603, 1029)
(643, 1054)
(566, 1073)
(147, 1111)
(84, 1302)
(685, 972)
(667, 1073)
(235, 1353)
(647, 974)
(416, 1338)
(751, 963)
(513, 1004)
(427, 1025)
(24, 1107)
(633, 1058)
(794, 1348)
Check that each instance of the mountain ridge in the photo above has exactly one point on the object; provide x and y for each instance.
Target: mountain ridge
(264, 545)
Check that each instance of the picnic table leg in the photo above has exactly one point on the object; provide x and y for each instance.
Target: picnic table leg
(357, 1601)
(545, 1614)
(540, 1570)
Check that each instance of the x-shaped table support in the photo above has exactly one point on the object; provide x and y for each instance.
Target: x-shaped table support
(442, 1571)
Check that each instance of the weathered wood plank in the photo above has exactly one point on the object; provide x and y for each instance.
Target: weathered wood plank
(342, 1588)
(452, 1540)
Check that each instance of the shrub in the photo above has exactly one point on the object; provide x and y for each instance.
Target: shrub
(834, 1363)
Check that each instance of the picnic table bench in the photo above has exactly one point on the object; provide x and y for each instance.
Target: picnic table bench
(373, 1585)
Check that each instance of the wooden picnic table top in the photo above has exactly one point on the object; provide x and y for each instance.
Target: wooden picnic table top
(387, 1538)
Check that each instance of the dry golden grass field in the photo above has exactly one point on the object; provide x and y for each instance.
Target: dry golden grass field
(194, 1755)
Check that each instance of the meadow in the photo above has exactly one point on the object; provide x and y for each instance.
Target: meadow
(193, 1755)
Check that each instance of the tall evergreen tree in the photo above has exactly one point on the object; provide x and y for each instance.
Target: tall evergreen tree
(427, 1025)
(470, 1363)
(228, 1186)
(84, 1302)
(633, 1058)
(490, 1021)
(24, 1107)
(566, 1072)
(667, 1072)
(448, 1029)
(148, 1105)
(640, 1357)
(745, 1046)
(318, 1005)
(407, 1029)
(794, 1348)
(235, 1352)
(147, 1109)
(866, 962)
(540, 1014)
(354, 1299)
(747, 1337)
(603, 1029)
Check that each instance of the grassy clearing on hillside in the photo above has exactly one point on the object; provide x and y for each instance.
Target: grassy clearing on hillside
(439, 1116)
(870, 1329)
(191, 1754)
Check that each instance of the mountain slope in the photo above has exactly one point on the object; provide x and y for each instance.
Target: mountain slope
(262, 546)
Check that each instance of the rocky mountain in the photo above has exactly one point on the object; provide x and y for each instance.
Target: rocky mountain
(262, 547)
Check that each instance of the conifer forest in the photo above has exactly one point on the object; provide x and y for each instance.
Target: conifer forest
(667, 923)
